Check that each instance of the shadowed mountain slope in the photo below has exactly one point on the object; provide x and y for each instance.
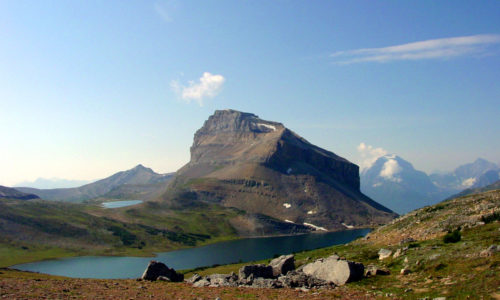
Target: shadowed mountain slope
(10, 193)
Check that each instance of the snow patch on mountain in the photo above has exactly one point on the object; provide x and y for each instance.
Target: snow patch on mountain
(469, 182)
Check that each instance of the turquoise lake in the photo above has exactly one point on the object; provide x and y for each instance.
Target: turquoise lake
(243, 250)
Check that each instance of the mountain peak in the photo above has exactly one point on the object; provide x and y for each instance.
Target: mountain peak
(230, 120)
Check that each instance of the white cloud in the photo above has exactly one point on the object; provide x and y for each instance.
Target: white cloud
(430, 49)
(391, 168)
(369, 155)
(208, 87)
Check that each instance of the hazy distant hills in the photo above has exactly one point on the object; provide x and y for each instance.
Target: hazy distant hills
(394, 182)
(491, 187)
(142, 178)
(10, 193)
(52, 183)
(239, 160)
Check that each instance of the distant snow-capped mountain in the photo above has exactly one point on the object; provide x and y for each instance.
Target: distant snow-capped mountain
(395, 183)
(472, 175)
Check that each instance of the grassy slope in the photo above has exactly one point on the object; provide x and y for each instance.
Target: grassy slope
(453, 270)
(37, 230)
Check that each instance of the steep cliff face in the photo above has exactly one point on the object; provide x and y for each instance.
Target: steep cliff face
(261, 167)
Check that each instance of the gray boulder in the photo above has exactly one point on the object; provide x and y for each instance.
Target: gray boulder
(384, 253)
(259, 270)
(156, 269)
(335, 270)
(373, 270)
(282, 265)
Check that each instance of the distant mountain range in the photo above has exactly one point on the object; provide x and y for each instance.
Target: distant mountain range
(10, 193)
(261, 167)
(52, 183)
(395, 183)
(137, 182)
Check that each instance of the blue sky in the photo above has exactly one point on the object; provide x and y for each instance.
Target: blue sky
(89, 88)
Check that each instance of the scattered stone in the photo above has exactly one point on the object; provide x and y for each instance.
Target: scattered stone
(384, 253)
(434, 256)
(259, 270)
(490, 251)
(163, 278)
(373, 270)
(406, 260)
(397, 253)
(335, 270)
(266, 283)
(156, 269)
(439, 298)
(408, 290)
(282, 265)
(194, 278)
(201, 283)
(407, 240)
(405, 271)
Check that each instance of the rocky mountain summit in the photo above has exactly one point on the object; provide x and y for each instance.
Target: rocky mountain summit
(261, 167)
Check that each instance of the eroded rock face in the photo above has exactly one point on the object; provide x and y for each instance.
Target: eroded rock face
(282, 264)
(156, 269)
(335, 270)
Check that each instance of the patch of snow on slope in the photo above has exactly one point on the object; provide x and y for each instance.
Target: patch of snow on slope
(289, 170)
(287, 205)
(272, 127)
(288, 221)
(391, 168)
(348, 226)
(315, 227)
(311, 212)
(469, 182)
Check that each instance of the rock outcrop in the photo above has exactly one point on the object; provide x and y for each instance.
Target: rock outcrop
(256, 271)
(156, 269)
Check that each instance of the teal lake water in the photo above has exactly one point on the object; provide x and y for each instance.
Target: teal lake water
(220, 253)
(117, 204)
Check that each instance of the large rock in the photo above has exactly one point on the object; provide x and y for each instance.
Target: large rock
(256, 271)
(283, 265)
(335, 270)
(384, 253)
(156, 269)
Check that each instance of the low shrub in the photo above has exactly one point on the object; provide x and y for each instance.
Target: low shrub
(452, 237)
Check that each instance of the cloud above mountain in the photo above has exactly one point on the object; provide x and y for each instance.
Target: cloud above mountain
(369, 154)
(208, 86)
(390, 169)
(444, 48)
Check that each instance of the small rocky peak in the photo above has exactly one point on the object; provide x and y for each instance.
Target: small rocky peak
(230, 120)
